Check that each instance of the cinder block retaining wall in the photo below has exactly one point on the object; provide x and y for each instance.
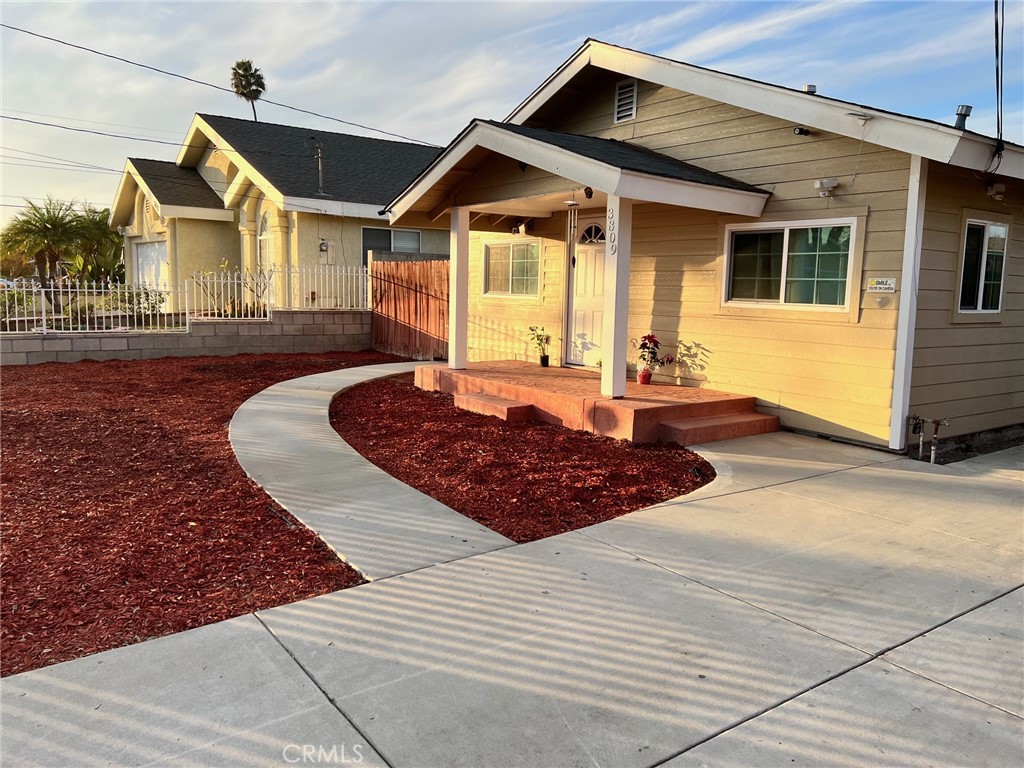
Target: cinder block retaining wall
(287, 331)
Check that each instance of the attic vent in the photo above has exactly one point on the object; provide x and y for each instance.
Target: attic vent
(625, 100)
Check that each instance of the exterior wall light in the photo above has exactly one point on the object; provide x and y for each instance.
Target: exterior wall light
(825, 186)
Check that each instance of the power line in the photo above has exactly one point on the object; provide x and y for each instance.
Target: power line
(211, 85)
(93, 122)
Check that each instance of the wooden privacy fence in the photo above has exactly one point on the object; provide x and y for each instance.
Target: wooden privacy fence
(410, 308)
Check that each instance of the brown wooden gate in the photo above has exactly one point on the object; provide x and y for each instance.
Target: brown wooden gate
(410, 308)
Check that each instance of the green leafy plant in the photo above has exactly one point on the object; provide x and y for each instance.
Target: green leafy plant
(648, 353)
(135, 300)
(14, 304)
(540, 338)
(81, 314)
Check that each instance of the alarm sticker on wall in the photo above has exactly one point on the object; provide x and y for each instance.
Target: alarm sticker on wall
(881, 285)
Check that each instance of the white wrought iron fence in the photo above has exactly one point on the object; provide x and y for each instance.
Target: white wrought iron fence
(68, 307)
(321, 287)
(27, 306)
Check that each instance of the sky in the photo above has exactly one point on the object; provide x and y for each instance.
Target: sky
(425, 69)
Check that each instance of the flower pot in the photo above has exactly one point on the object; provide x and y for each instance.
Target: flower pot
(643, 375)
(544, 360)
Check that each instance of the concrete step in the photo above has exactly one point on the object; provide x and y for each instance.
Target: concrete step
(709, 429)
(492, 405)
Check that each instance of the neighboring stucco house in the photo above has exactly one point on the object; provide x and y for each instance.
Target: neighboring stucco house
(847, 266)
(260, 195)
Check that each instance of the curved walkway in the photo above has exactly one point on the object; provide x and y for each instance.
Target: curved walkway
(816, 604)
(284, 441)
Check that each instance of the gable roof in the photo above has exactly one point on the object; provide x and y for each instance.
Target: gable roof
(172, 190)
(173, 185)
(628, 157)
(356, 169)
(913, 135)
(607, 166)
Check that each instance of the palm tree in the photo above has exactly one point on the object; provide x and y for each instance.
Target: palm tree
(99, 247)
(45, 234)
(248, 83)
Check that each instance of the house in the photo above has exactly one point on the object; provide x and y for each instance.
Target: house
(259, 196)
(847, 266)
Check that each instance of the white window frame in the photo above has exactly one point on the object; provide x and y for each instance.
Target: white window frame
(512, 242)
(264, 243)
(985, 221)
(785, 227)
(620, 88)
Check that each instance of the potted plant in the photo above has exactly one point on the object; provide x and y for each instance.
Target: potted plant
(540, 340)
(649, 361)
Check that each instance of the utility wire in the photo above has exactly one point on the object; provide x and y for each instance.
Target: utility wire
(211, 85)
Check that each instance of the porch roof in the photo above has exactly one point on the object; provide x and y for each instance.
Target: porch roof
(607, 166)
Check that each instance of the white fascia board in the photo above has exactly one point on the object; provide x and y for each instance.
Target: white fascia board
(554, 83)
(333, 208)
(124, 198)
(194, 212)
(906, 134)
(442, 164)
(561, 162)
(687, 194)
(202, 128)
(192, 147)
(153, 200)
(236, 190)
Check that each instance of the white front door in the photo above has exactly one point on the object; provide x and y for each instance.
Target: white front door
(586, 298)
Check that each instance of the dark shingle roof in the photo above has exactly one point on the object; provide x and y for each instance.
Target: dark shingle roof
(172, 185)
(628, 157)
(357, 169)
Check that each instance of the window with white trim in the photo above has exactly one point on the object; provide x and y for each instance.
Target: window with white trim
(983, 258)
(790, 264)
(394, 240)
(512, 268)
(265, 245)
(625, 100)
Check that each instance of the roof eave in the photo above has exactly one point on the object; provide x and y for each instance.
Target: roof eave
(581, 170)
(124, 198)
(906, 134)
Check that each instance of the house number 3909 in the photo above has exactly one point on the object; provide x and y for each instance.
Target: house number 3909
(612, 236)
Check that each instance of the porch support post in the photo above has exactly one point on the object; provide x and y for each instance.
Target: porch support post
(458, 301)
(618, 242)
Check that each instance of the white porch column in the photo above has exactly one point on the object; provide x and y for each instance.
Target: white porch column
(618, 242)
(458, 297)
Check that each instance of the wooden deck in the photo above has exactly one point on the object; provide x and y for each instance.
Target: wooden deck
(572, 398)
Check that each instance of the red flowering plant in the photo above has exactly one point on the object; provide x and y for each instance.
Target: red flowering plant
(649, 347)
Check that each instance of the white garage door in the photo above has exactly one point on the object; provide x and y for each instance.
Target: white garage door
(151, 264)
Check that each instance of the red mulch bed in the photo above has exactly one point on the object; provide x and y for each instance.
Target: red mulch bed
(524, 480)
(125, 513)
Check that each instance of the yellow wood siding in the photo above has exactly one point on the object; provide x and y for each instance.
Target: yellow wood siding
(499, 325)
(829, 373)
(969, 372)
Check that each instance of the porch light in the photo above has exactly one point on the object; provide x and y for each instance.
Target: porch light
(825, 186)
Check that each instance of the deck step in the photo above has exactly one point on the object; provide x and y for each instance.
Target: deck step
(492, 405)
(709, 429)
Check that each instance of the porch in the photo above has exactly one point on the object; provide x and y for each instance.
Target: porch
(571, 397)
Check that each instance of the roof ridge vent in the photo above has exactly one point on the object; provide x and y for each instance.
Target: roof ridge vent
(810, 88)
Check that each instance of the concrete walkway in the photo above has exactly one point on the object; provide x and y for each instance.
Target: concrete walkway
(816, 604)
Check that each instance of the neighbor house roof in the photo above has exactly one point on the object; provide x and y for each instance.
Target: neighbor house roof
(612, 167)
(173, 185)
(914, 135)
(282, 159)
(171, 190)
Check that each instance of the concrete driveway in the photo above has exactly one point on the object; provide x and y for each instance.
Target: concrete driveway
(817, 604)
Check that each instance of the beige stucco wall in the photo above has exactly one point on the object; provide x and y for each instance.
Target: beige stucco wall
(968, 369)
(828, 372)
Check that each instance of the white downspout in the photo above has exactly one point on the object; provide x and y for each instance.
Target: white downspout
(907, 318)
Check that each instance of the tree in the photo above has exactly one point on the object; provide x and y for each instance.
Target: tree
(248, 83)
(44, 234)
(99, 247)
